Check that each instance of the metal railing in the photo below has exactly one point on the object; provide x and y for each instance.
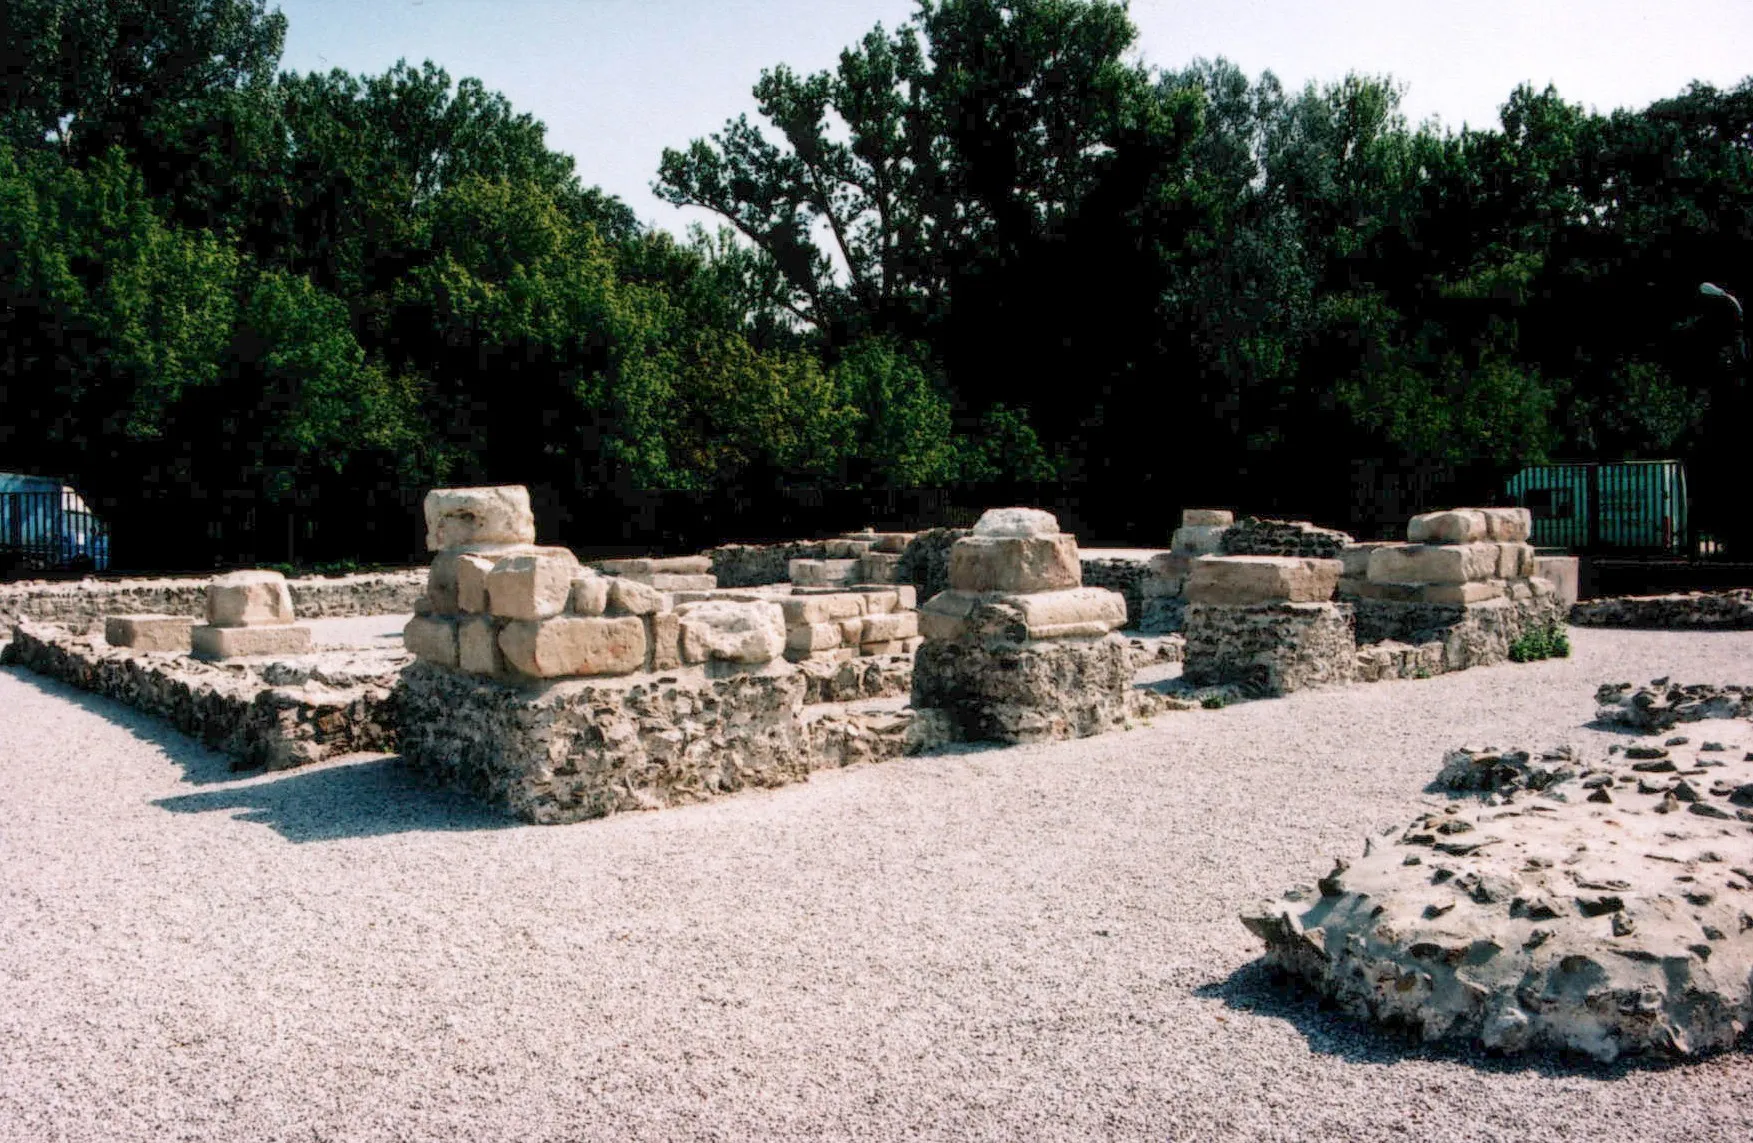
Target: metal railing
(51, 531)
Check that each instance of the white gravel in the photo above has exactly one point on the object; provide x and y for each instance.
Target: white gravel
(1033, 943)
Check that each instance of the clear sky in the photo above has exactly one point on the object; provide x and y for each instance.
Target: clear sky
(616, 81)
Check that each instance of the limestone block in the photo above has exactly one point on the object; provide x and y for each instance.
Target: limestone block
(731, 631)
(679, 581)
(946, 614)
(1508, 525)
(590, 594)
(823, 573)
(1165, 575)
(533, 586)
(846, 549)
(1455, 526)
(908, 646)
(1095, 607)
(433, 638)
(894, 625)
(1433, 563)
(645, 567)
(469, 571)
(1561, 572)
(894, 542)
(248, 599)
(879, 567)
(211, 642)
(148, 632)
(1515, 561)
(459, 516)
(883, 647)
(1016, 522)
(1207, 517)
(815, 636)
(1241, 580)
(1197, 539)
(664, 631)
(630, 597)
(803, 609)
(1356, 557)
(831, 655)
(567, 645)
(907, 597)
(1015, 563)
(878, 602)
(851, 630)
(1477, 591)
(478, 646)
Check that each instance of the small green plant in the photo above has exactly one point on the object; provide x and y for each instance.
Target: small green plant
(1421, 673)
(1214, 702)
(1545, 643)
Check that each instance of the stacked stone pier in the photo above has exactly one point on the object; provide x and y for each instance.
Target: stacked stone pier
(249, 613)
(1267, 623)
(1017, 650)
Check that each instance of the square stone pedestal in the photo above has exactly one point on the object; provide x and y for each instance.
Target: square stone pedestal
(209, 642)
(148, 632)
(988, 691)
(1270, 648)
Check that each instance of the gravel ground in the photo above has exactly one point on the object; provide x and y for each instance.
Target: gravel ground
(1032, 943)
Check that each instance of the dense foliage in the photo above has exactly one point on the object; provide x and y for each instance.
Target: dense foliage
(986, 247)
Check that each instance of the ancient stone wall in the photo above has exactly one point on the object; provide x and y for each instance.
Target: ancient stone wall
(1252, 536)
(77, 604)
(1124, 576)
(755, 565)
(1270, 648)
(1698, 610)
(260, 714)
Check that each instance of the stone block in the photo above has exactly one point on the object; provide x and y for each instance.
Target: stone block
(1515, 561)
(1455, 526)
(829, 655)
(732, 632)
(211, 642)
(1356, 557)
(459, 516)
(946, 614)
(1350, 587)
(883, 647)
(1244, 580)
(679, 581)
(433, 638)
(630, 597)
(879, 567)
(816, 636)
(1476, 591)
(1016, 522)
(1197, 539)
(1433, 563)
(478, 646)
(645, 567)
(1270, 649)
(1015, 563)
(1561, 572)
(252, 598)
(823, 573)
(1165, 575)
(664, 631)
(468, 570)
(824, 608)
(148, 632)
(894, 542)
(1082, 607)
(906, 597)
(590, 594)
(1022, 692)
(878, 602)
(1508, 525)
(851, 630)
(531, 587)
(567, 645)
(894, 625)
(847, 549)
(1207, 518)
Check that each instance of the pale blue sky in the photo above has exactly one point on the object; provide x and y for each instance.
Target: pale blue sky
(618, 80)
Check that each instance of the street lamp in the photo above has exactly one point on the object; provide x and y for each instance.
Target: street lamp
(1712, 290)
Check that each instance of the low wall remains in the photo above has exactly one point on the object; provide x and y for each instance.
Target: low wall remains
(77, 604)
(1696, 610)
(263, 715)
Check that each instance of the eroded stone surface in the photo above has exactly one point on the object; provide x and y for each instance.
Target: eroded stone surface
(148, 632)
(1271, 648)
(1012, 564)
(1719, 610)
(456, 517)
(731, 631)
(1592, 907)
(249, 598)
(1023, 692)
(1016, 522)
(1261, 579)
(1663, 704)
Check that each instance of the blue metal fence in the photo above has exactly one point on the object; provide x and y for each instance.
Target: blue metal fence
(51, 531)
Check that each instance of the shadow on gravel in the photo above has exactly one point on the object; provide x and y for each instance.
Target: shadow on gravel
(1261, 990)
(344, 799)
(201, 766)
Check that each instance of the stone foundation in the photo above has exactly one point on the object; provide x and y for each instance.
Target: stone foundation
(1697, 610)
(1252, 536)
(583, 748)
(1124, 576)
(1270, 648)
(1471, 635)
(78, 604)
(1024, 692)
(264, 715)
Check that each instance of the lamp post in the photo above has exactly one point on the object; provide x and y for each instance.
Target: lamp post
(1712, 290)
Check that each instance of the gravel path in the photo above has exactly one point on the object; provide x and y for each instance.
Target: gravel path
(1033, 943)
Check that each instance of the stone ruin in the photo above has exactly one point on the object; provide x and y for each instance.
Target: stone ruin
(1017, 650)
(1276, 606)
(567, 692)
(248, 613)
(1602, 907)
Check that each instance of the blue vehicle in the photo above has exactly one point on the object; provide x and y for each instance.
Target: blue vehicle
(46, 526)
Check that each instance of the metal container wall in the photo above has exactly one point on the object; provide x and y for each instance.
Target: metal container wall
(1634, 506)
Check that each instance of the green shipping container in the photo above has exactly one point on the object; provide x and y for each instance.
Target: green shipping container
(1639, 505)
